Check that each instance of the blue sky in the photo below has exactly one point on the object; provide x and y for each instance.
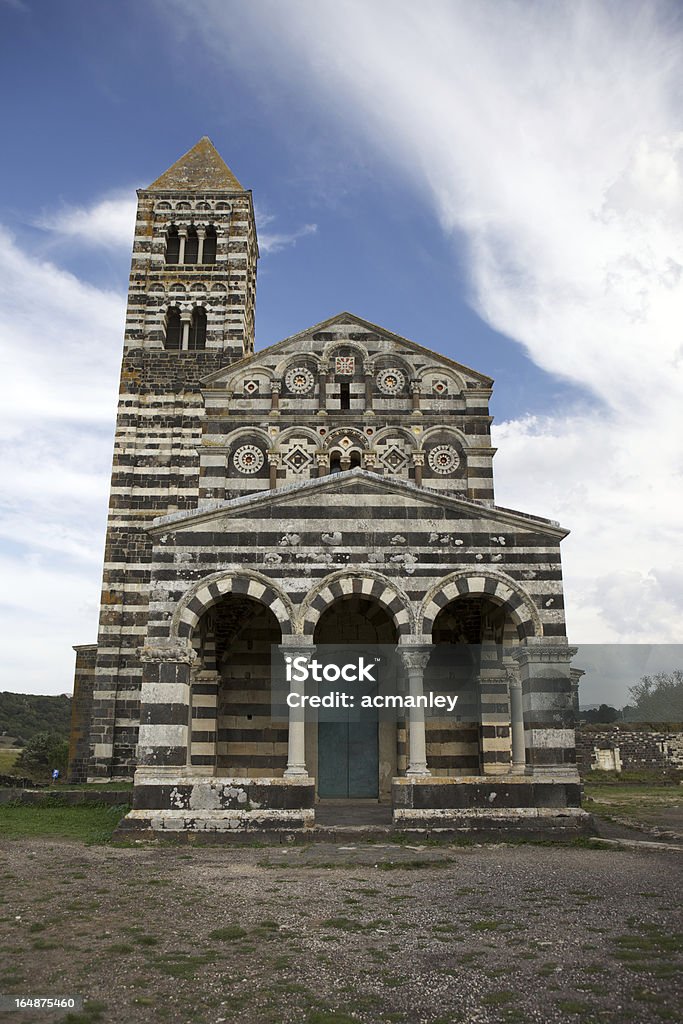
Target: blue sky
(501, 182)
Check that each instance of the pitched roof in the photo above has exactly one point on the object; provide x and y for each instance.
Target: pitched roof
(345, 318)
(352, 480)
(202, 168)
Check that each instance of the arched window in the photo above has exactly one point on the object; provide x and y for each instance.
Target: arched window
(335, 464)
(191, 245)
(173, 329)
(209, 255)
(197, 339)
(355, 460)
(172, 245)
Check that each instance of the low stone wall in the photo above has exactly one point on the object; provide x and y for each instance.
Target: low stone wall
(624, 748)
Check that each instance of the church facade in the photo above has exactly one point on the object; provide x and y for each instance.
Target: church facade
(336, 487)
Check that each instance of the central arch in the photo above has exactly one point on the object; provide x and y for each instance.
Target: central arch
(353, 750)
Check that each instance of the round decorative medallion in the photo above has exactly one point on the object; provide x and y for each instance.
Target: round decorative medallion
(248, 459)
(299, 380)
(391, 381)
(443, 459)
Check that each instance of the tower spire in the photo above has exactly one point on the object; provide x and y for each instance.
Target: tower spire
(201, 169)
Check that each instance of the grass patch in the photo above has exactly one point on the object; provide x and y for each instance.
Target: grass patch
(89, 823)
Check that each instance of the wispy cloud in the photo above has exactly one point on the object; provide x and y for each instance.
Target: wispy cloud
(274, 241)
(107, 223)
(549, 138)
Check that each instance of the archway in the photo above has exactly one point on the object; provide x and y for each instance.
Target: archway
(233, 732)
(354, 752)
(469, 636)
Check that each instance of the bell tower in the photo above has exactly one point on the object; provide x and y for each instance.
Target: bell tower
(190, 312)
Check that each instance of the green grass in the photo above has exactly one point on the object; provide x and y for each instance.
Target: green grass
(639, 801)
(8, 756)
(89, 823)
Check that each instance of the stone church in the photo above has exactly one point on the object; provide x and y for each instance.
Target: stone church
(334, 487)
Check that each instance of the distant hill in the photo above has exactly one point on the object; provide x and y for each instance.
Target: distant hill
(24, 714)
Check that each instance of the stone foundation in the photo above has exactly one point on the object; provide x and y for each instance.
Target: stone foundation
(214, 804)
(485, 802)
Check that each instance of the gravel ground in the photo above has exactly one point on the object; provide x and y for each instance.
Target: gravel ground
(333, 934)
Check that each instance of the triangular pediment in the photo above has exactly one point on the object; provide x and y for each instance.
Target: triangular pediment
(201, 169)
(352, 485)
(344, 326)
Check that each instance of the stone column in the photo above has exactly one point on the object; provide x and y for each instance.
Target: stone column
(516, 722)
(322, 389)
(296, 745)
(185, 321)
(201, 235)
(416, 391)
(547, 706)
(273, 465)
(418, 463)
(164, 738)
(183, 238)
(369, 377)
(414, 661)
(275, 389)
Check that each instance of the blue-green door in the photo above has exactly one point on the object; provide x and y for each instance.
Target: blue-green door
(348, 758)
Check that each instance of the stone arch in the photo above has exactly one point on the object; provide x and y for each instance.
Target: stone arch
(444, 429)
(289, 361)
(253, 432)
(483, 582)
(404, 432)
(339, 342)
(236, 382)
(291, 432)
(427, 373)
(366, 584)
(209, 591)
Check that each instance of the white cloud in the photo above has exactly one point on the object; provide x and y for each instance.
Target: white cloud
(108, 223)
(273, 241)
(61, 345)
(549, 138)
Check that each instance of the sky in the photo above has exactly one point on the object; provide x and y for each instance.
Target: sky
(500, 181)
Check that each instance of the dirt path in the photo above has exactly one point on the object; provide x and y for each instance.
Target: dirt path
(309, 935)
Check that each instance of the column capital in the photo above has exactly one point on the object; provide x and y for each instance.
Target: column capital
(276, 385)
(414, 656)
(170, 650)
(541, 652)
(296, 644)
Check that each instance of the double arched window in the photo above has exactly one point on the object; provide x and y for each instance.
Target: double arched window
(194, 245)
(185, 333)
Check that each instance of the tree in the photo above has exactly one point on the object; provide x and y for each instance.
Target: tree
(602, 715)
(657, 698)
(42, 753)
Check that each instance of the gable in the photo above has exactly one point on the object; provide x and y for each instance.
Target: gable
(345, 329)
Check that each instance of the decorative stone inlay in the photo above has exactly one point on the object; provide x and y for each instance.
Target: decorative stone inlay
(248, 459)
(298, 459)
(251, 387)
(299, 380)
(345, 365)
(394, 459)
(440, 386)
(168, 650)
(391, 381)
(443, 459)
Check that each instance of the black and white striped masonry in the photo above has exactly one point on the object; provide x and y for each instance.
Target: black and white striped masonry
(337, 485)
